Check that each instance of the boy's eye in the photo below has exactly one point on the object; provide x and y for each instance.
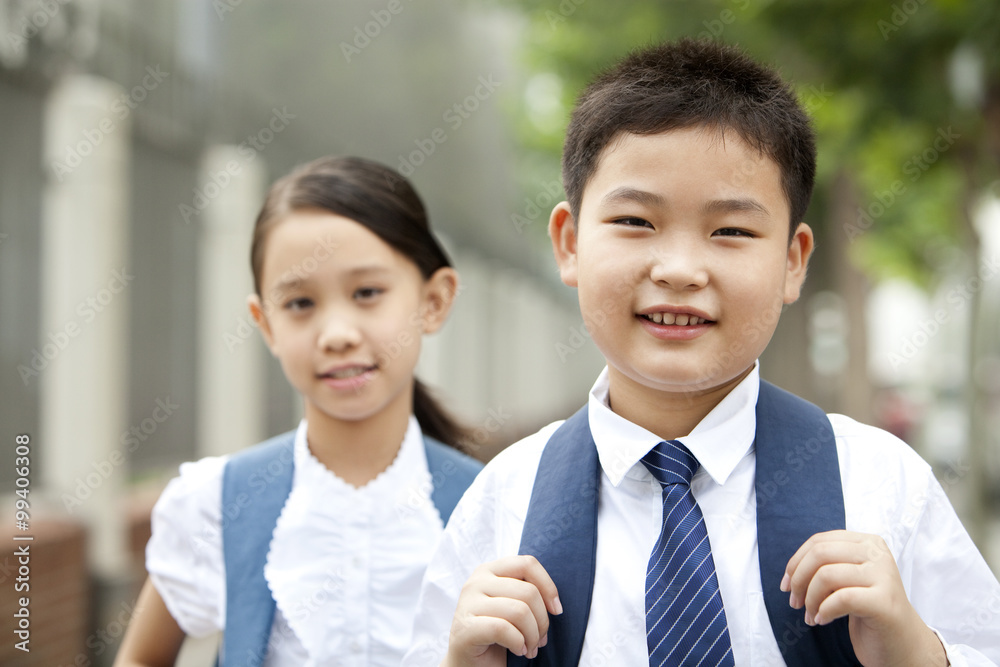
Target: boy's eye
(298, 305)
(631, 221)
(367, 293)
(732, 231)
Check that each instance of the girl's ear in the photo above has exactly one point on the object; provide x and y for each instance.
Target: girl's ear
(260, 318)
(562, 231)
(439, 295)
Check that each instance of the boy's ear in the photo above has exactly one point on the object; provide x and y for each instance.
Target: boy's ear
(562, 231)
(260, 318)
(799, 252)
(439, 295)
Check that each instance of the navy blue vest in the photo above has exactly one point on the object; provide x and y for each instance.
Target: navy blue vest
(255, 486)
(798, 493)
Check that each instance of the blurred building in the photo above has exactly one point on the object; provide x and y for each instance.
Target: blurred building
(137, 142)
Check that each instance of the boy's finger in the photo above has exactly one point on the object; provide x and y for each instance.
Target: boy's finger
(519, 616)
(522, 591)
(527, 568)
(819, 555)
(832, 578)
(808, 545)
(485, 631)
(857, 601)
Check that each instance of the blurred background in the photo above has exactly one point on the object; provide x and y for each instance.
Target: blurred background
(138, 138)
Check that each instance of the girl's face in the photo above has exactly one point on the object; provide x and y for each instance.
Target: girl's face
(344, 313)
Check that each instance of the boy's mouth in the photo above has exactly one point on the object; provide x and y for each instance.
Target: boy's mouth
(675, 319)
(677, 316)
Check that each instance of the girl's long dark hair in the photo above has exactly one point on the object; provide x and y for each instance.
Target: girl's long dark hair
(384, 202)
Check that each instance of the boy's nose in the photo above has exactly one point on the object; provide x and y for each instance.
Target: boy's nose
(338, 332)
(678, 267)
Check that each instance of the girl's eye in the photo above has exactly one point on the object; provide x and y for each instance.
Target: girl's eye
(298, 305)
(630, 221)
(367, 293)
(733, 231)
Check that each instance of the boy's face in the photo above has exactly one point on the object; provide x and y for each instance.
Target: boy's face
(681, 259)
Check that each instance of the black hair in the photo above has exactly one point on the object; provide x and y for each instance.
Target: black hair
(693, 83)
(384, 202)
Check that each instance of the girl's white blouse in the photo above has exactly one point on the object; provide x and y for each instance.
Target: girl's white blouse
(344, 566)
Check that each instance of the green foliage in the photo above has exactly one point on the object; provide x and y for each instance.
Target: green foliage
(877, 79)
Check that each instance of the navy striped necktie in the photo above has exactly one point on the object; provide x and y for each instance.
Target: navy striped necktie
(685, 619)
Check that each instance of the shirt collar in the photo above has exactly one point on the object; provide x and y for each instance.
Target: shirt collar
(719, 441)
(409, 460)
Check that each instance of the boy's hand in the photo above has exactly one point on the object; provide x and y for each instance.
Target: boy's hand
(840, 573)
(504, 605)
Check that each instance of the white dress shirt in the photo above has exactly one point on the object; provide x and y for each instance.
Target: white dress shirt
(888, 490)
(344, 565)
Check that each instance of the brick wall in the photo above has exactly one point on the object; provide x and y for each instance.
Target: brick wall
(59, 595)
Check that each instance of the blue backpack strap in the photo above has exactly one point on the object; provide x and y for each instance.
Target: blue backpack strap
(451, 474)
(560, 530)
(255, 486)
(799, 493)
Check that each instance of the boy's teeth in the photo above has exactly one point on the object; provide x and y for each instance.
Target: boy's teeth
(678, 320)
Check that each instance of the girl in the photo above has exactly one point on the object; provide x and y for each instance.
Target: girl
(309, 549)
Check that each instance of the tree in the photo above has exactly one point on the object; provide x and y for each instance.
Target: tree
(906, 102)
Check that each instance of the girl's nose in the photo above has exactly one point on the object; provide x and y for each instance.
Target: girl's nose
(677, 266)
(338, 333)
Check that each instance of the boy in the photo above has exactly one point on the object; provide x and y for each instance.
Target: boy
(691, 513)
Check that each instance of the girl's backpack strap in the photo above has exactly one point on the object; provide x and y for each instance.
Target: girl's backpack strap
(451, 474)
(255, 485)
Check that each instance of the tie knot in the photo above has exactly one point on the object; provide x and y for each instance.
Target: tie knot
(670, 462)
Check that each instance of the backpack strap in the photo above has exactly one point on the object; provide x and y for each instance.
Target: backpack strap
(451, 474)
(255, 486)
(560, 530)
(799, 493)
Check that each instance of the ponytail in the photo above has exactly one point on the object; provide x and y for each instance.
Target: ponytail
(434, 420)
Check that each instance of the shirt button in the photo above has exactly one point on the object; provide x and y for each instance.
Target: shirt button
(358, 562)
(355, 646)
